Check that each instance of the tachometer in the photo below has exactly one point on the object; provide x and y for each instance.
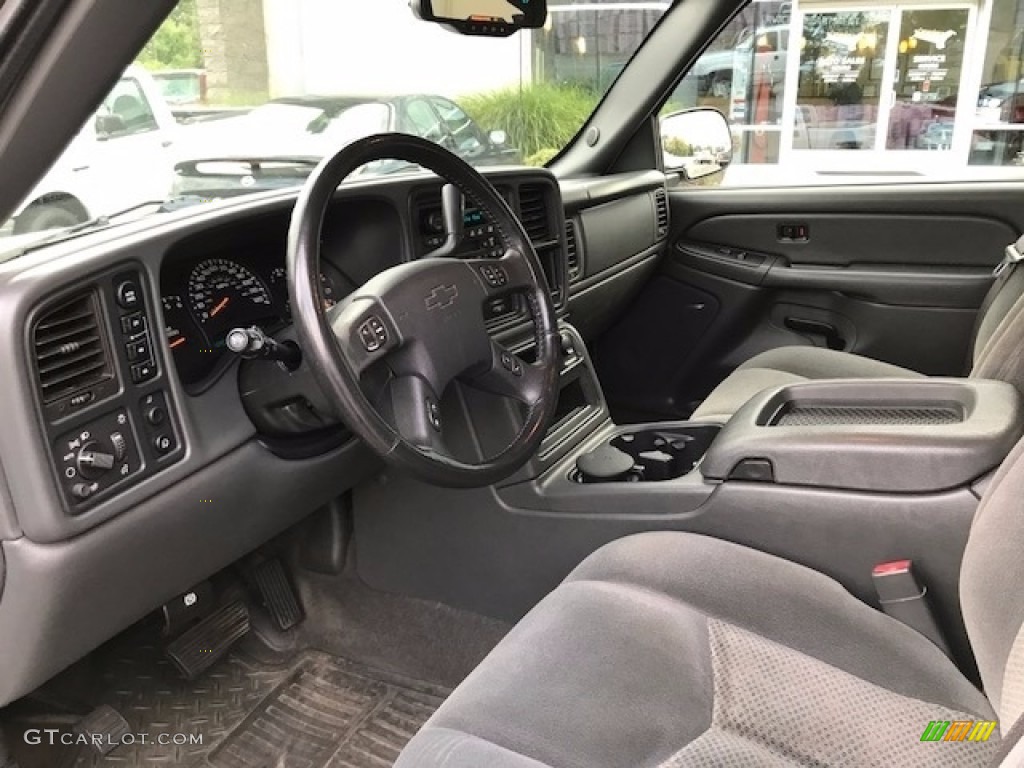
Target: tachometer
(218, 285)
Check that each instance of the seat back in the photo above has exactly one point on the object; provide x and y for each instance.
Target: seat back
(998, 352)
(992, 589)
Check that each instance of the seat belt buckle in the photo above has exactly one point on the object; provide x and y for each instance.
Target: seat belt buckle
(1013, 255)
(904, 598)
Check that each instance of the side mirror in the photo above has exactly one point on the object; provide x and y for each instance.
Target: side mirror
(489, 18)
(109, 124)
(696, 142)
(498, 138)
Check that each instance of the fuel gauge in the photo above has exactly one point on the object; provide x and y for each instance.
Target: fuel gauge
(193, 356)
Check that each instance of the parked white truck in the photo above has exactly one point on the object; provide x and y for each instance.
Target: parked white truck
(124, 156)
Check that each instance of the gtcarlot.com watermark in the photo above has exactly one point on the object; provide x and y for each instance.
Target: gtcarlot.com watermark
(107, 741)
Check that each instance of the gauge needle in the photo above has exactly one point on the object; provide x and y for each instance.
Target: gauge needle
(220, 306)
(178, 342)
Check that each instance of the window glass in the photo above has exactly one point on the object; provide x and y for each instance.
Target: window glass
(424, 121)
(867, 92)
(128, 107)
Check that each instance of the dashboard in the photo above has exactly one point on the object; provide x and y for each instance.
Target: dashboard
(131, 466)
(236, 276)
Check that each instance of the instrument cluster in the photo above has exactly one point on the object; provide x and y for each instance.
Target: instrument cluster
(204, 298)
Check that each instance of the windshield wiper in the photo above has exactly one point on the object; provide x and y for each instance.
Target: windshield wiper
(102, 221)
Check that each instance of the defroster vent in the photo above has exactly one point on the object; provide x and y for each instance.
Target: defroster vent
(533, 213)
(69, 348)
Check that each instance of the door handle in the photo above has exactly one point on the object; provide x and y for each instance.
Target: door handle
(833, 339)
(167, 143)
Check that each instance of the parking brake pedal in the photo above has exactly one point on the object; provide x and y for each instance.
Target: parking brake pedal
(276, 593)
(203, 645)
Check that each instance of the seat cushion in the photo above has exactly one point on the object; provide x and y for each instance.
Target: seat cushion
(790, 365)
(673, 649)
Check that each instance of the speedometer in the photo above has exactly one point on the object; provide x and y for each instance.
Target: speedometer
(215, 284)
(223, 294)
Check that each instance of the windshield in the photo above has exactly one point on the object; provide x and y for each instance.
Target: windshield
(271, 86)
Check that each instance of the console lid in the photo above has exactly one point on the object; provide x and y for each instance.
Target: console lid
(870, 434)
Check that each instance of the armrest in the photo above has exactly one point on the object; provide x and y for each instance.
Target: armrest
(895, 435)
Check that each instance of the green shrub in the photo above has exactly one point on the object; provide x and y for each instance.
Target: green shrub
(541, 157)
(538, 119)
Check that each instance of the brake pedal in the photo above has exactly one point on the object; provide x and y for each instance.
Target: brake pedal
(106, 722)
(203, 645)
(276, 593)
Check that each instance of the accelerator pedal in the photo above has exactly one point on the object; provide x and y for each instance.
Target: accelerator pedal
(276, 593)
(203, 645)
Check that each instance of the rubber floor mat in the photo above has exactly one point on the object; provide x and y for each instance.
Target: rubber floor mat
(310, 711)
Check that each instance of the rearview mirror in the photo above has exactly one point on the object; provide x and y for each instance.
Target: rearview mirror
(498, 138)
(490, 18)
(696, 142)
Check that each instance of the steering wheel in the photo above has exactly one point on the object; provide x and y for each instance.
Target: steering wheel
(423, 322)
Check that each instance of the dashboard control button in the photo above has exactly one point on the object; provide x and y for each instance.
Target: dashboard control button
(82, 399)
(156, 415)
(143, 372)
(82, 490)
(138, 349)
(120, 445)
(133, 324)
(128, 296)
(164, 444)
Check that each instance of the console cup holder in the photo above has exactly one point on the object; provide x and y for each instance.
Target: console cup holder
(646, 455)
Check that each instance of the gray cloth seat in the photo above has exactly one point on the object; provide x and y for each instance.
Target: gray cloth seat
(996, 354)
(674, 650)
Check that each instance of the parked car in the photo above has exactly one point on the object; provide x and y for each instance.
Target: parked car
(123, 156)
(278, 144)
(767, 46)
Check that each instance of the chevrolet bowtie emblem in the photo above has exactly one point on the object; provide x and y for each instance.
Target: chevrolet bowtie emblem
(442, 296)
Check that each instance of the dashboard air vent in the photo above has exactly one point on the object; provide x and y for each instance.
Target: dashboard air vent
(69, 349)
(575, 267)
(533, 212)
(661, 206)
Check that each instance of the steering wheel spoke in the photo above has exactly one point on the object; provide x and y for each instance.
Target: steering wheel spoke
(511, 376)
(365, 332)
(416, 413)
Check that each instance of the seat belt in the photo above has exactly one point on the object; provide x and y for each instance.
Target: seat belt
(1012, 256)
(1011, 748)
(904, 598)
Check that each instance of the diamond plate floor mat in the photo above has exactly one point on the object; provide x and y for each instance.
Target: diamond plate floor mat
(311, 711)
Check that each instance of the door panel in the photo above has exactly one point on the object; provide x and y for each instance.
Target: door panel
(747, 272)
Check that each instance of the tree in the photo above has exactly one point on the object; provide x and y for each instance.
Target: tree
(175, 45)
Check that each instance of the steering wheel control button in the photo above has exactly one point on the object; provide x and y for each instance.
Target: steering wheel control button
(128, 296)
(163, 444)
(434, 414)
(133, 324)
(373, 333)
(143, 372)
(494, 275)
(511, 364)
